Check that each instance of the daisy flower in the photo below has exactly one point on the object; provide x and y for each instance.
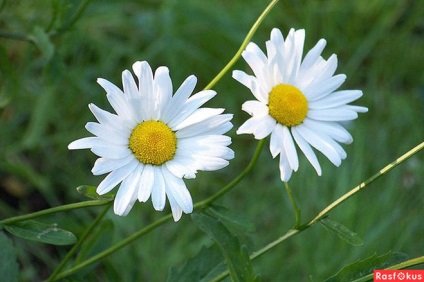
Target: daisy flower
(297, 101)
(155, 139)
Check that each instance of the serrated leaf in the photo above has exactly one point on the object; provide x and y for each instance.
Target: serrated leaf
(41, 232)
(231, 218)
(236, 255)
(90, 192)
(42, 40)
(342, 231)
(362, 268)
(9, 267)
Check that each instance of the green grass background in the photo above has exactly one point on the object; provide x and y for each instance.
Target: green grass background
(43, 107)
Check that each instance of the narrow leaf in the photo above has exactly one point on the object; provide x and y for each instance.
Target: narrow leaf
(236, 255)
(203, 267)
(41, 232)
(362, 268)
(90, 192)
(342, 231)
(42, 40)
(9, 268)
(231, 218)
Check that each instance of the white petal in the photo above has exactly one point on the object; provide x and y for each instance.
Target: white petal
(129, 85)
(313, 55)
(307, 150)
(180, 98)
(260, 127)
(205, 126)
(177, 188)
(285, 169)
(112, 135)
(276, 142)
(336, 99)
(163, 88)
(175, 208)
(111, 151)
(320, 144)
(190, 106)
(337, 114)
(116, 176)
(146, 183)
(103, 165)
(332, 129)
(85, 143)
(127, 194)
(324, 88)
(290, 149)
(255, 108)
(158, 190)
(198, 116)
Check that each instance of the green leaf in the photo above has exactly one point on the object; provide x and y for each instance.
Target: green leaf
(362, 268)
(41, 232)
(230, 218)
(342, 231)
(90, 192)
(42, 40)
(236, 255)
(9, 268)
(207, 264)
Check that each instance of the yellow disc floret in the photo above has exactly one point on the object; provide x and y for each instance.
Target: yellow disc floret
(153, 142)
(287, 105)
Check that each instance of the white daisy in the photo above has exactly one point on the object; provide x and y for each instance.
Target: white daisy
(297, 101)
(155, 139)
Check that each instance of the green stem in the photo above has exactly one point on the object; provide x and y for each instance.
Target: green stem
(402, 265)
(83, 5)
(163, 220)
(114, 248)
(294, 205)
(53, 210)
(78, 244)
(330, 207)
(235, 181)
(243, 45)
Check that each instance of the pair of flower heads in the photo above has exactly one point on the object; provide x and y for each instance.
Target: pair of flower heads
(158, 137)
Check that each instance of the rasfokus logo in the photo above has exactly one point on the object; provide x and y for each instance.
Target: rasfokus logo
(398, 275)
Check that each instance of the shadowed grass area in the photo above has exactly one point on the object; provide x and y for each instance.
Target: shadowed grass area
(48, 71)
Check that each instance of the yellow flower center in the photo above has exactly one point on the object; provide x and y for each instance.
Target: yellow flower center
(153, 142)
(287, 105)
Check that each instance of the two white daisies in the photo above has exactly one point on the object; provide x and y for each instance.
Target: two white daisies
(158, 137)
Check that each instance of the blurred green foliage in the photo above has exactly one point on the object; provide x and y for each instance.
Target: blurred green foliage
(51, 53)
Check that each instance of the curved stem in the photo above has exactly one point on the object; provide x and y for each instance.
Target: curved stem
(114, 248)
(296, 210)
(330, 207)
(78, 244)
(402, 265)
(54, 210)
(161, 221)
(243, 45)
(83, 5)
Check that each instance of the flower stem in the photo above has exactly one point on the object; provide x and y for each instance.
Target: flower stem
(73, 206)
(78, 244)
(402, 265)
(161, 221)
(332, 206)
(294, 205)
(235, 181)
(114, 248)
(243, 45)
